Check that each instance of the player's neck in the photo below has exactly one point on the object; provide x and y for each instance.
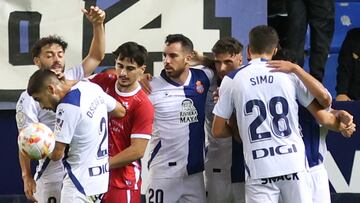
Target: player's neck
(182, 78)
(66, 86)
(263, 56)
(127, 89)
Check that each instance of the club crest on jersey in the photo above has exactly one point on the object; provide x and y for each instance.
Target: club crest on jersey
(60, 112)
(188, 113)
(199, 87)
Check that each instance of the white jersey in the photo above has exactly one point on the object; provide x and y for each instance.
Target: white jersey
(177, 145)
(82, 122)
(267, 117)
(29, 111)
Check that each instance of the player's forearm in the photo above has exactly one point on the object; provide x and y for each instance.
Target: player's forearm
(25, 166)
(125, 157)
(314, 86)
(97, 49)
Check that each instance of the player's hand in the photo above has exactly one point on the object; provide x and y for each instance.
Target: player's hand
(95, 15)
(282, 66)
(29, 188)
(60, 76)
(215, 95)
(346, 120)
(342, 97)
(144, 81)
(349, 130)
(196, 59)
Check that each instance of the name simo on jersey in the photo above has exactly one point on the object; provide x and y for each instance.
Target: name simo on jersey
(93, 106)
(262, 79)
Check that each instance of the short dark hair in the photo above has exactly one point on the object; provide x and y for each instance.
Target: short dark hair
(228, 45)
(51, 39)
(38, 80)
(285, 54)
(133, 51)
(185, 42)
(263, 39)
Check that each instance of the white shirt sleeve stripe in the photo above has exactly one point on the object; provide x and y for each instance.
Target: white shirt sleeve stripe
(144, 136)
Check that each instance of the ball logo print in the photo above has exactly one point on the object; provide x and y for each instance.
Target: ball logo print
(36, 141)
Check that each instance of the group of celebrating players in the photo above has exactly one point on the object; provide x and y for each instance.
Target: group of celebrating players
(239, 123)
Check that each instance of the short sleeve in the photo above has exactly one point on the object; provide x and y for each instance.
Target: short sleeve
(27, 110)
(143, 120)
(75, 73)
(303, 95)
(67, 118)
(224, 107)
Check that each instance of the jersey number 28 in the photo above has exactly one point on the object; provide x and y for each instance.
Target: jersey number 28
(278, 108)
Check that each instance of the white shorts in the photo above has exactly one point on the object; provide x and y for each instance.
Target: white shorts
(320, 184)
(70, 193)
(48, 192)
(220, 189)
(187, 189)
(293, 188)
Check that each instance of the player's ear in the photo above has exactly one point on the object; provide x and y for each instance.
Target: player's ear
(36, 61)
(51, 89)
(142, 68)
(274, 52)
(248, 54)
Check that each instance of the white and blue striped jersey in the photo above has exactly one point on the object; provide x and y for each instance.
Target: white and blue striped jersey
(82, 123)
(314, 137)
(29, 111)
(267, 116)
(177, 144)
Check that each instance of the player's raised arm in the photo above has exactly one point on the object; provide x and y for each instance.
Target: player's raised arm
(97, 48)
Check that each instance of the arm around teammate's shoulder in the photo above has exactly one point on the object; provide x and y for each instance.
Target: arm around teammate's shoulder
(315, 87)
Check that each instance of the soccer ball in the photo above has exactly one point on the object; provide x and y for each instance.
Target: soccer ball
(36, 141)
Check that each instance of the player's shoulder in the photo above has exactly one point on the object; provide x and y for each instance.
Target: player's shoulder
(202, 71)
(143, 98)
(25, 100)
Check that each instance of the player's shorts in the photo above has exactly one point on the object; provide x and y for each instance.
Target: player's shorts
(294, 188)
(320, 184)
(188, 189)
(116, 195)
(70, 193)
(48, 192)
(220, 189)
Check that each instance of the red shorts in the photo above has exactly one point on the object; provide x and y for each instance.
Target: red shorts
(115, 195)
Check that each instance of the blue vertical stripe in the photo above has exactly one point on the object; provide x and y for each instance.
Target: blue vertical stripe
(197, 133)
(43, 167)
(237, 166)
(154, 153)
(310, 130)
(76, 182)
(24, 36)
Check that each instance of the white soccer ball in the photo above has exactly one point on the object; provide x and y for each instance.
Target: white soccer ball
(36, 141)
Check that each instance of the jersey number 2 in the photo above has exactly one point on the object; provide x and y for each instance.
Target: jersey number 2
(102, 151)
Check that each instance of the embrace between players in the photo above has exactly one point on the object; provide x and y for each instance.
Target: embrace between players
(96, 158)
